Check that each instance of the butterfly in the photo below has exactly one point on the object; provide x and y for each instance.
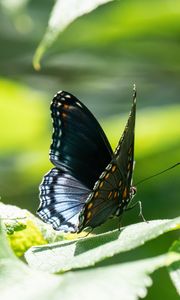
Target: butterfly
(89, 182)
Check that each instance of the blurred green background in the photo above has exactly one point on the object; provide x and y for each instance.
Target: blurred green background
(97, 58)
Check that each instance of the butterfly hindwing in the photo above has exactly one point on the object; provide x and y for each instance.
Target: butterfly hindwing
(61, 200)
(79, 145)
(112, 192)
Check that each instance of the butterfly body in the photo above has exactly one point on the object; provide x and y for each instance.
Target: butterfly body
(89, 183)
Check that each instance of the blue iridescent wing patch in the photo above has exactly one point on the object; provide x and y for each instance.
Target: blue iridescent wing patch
(61, 199)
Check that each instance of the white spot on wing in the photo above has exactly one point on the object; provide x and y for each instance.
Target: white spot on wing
(58, 143)
(102, 175)
(109, 167)
(79, 104)
(96, 184)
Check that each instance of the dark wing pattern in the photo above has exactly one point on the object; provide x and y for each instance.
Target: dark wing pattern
(79, 144)
(62, 197)
(112, 192)
(80, 151)
(90, 183)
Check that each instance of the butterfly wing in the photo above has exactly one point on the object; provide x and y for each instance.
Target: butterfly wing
(124, 152)
(80, 151)
(112, 192)
(79, 145)
(62, 197)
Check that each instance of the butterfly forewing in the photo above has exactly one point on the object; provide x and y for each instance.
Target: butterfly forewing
(111, 193)
(124, 152)
(79, 144)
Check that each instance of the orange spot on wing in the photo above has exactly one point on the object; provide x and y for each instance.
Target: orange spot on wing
(124, 193)
(66, 106)
(109, 195)
(90, 205)
(115, 195)
(107, 176)
(89, 214)
(64, 114)
(96, 194)
(114, 168)
(130, 150)
(101, 184)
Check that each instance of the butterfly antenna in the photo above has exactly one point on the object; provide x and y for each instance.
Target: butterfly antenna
(145, 179)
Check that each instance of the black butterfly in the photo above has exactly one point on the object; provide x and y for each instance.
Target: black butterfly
(89, 183)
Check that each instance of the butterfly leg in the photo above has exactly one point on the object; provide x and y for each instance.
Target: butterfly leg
(140, 210)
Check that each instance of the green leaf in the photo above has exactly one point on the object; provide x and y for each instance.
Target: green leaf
(174, 269)
(64, 13)
(13, 218)
(21, 227)
(5, 251)
(87, 251)
(130, 280)
(16, 279)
